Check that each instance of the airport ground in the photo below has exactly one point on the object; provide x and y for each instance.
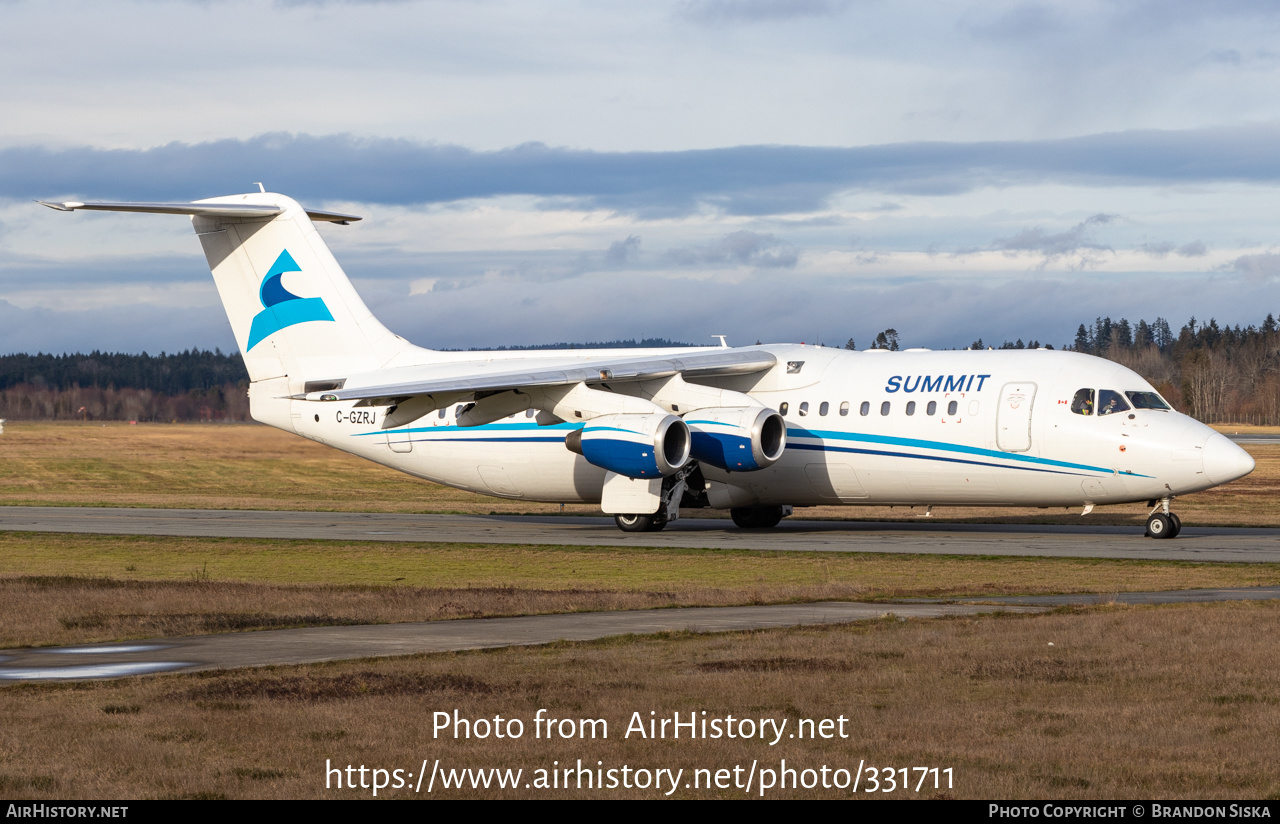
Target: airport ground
(1104, 701)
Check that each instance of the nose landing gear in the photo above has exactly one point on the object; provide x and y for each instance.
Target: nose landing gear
(1162, 523)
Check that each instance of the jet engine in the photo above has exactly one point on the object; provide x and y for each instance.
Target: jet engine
(638, 446)
(737, 438)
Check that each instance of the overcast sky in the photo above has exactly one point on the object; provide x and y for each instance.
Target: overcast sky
(530, 172)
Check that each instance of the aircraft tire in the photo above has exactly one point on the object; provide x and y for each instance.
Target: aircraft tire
(635, 523)
(768, 517)
(756, 517)
(1160, 526)
(1177, 524)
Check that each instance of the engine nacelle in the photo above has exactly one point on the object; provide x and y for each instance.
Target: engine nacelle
(737, 438)
(638, 446)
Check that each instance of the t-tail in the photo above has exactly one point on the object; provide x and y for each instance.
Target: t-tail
(296, 317)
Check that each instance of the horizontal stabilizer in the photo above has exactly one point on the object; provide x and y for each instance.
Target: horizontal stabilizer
(246, 210)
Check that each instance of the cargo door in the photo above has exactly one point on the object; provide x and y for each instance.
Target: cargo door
(1013, 417)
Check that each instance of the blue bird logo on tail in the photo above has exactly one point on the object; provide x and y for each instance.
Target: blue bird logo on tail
(282, 308)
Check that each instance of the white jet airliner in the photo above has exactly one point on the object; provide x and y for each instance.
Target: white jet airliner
(755, 430)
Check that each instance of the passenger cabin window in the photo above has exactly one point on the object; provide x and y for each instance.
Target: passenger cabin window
(804, 409)
(822, 410)
(884, 408)
(952, 407)
(783, 407)
(911, 407)
(932, 408)
(865, 409)
(1082, 403)
(844, 408)
(1110, 402)
(443, 412)
(529, 413)
(1147, 400)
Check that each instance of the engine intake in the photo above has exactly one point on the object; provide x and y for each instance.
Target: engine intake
(638, 446)
(737, 439)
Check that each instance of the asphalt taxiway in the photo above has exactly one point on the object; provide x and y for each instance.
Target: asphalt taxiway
(1226, 544)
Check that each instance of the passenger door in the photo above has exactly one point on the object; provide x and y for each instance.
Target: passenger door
(1013, 416)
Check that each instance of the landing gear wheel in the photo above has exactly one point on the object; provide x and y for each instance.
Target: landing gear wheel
(756, 517)
(768, 517)
(634, 523)
(1160, 525)
(1177, 524)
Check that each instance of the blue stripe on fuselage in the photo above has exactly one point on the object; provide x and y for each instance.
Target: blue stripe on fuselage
(1037, 464)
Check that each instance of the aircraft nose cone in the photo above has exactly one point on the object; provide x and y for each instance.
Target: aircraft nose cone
(1224, 461)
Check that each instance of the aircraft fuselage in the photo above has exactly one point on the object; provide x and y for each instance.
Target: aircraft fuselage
(900, 428)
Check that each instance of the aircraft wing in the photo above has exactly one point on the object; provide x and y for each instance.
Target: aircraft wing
(595, 370)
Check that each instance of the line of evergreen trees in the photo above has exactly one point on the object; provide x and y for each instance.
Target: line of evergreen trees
(173, 374)
(191, 385)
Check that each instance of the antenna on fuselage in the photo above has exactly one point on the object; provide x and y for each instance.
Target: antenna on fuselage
(723, 344)
(261, 188)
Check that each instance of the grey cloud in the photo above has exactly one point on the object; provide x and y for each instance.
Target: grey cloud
(140, 328)
(1261, 267)
(1164, 248)
(622, 252)
(755, 11)
(1075, 240)
(745, 180)
(492, 311)
(19, 272)
(744, 248)
(1028, 20)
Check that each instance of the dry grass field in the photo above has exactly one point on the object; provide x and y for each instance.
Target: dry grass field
(248, 466)
(1113, 702)
(70, 589)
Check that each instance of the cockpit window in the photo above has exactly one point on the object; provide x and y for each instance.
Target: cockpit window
(1110, 401)
(1082, 404)
(1147, 400)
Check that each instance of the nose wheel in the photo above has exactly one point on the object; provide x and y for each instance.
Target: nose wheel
(640, 523)
(1162, 523)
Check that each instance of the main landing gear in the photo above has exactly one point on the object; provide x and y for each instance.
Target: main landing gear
(1162, 523)
(758, 517)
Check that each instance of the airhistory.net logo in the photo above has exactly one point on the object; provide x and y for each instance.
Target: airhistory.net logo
(282, 308)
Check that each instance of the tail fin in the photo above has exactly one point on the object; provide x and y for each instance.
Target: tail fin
(295, 315)
(292, 309)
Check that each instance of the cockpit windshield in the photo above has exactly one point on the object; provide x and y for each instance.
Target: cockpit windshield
(1110, 401)
(1082, 403)
(1147, 400)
